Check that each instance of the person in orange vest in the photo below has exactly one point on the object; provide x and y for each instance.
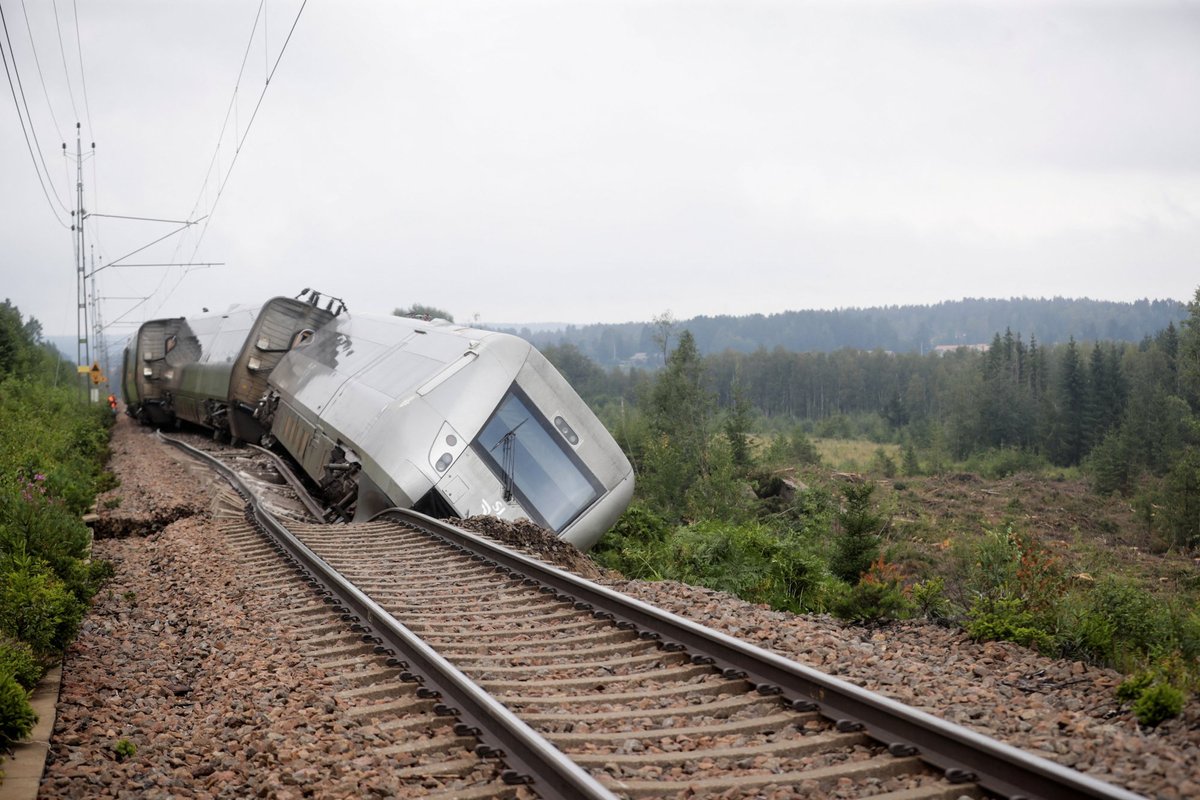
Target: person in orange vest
(112, 402)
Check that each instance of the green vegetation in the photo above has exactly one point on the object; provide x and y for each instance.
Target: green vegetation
(124, 749)
(804, 481)
(52, 450)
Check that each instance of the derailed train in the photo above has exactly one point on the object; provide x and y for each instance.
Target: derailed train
(381, 411)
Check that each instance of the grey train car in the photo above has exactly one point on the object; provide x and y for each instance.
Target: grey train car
(212, 370)
(385, 411)
(201, 359)
(147, 379)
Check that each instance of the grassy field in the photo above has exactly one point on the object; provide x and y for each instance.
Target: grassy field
(854, 455)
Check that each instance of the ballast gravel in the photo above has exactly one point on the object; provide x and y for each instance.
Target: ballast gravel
(180, 659)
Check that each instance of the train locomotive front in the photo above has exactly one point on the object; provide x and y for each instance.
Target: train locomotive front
(384, 411)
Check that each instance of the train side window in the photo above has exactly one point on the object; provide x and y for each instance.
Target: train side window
(303, 337)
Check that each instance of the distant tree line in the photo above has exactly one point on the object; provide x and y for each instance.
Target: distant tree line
(899, 329)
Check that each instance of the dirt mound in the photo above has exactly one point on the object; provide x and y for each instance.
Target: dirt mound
(532, 540)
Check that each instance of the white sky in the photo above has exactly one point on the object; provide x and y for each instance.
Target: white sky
(607, 161)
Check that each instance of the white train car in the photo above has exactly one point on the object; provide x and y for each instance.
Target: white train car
(385, 411)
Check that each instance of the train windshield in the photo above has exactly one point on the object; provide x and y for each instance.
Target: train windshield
(534, 464)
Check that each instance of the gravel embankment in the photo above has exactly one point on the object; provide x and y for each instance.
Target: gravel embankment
(180, 656)
(181, 659)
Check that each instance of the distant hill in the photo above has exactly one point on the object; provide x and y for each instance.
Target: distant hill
(894, 328)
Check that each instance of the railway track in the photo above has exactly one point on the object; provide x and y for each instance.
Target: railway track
(582, 692)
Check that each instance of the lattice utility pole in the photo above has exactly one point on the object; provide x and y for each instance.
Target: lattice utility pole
(83, 356)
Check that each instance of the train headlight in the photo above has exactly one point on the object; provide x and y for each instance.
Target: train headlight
(566, 430)
(147, 372)
(444, 462)
(253, 364)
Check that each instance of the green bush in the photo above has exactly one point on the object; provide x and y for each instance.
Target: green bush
(1159, 702)
(17, 659)
(869, 601)
(929, 599)
(859, 528)
(1135, 686)
(791, 449)
(1005, 461)
(1007, 619)
(1122, 623)
(36, 607)
(884, 464)
(992, 562)
(124, 749)
(800, 580)
(635, 544)
(34, 523)
(48, 432)
(16, 715)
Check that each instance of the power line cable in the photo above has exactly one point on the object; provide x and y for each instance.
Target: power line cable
(238, 150)
(241, 141)
(4, 55)
(28, 116)
(202, 194)
(37, 62)
(62, 50)
(87, 106)
(229, 110)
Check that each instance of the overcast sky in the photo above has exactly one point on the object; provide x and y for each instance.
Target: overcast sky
(606, 161)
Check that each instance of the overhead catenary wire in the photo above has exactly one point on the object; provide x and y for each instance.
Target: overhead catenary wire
(240, 140)
(41, 77)
(213, 162)
(62, 51)
(87, 106)
(30, 132)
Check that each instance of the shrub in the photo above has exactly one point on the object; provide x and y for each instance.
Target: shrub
(859, 529)
(124, 749)
(34, 523)
(16, 715)
(1122, 623)
(799, 579)
(634, 544)
(1007, 619)
(929, 598)
(993, 563)
(1159, 702)
(36, 607)
(1005, 461)
(792, 448)
(884, 464)
(878, 596)
(16, 659)
(1133, 687)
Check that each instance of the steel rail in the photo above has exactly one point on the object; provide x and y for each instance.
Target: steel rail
(531, 758)
(964, 755)
(306, 499)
